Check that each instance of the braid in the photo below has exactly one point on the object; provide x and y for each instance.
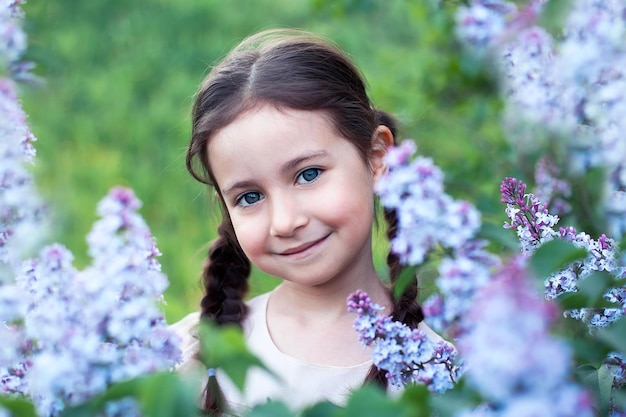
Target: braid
(406, 308)
(225, 277)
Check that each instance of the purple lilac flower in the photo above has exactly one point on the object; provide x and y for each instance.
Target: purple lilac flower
(97, 326)
(408, 355)
(535, 226)
(528, 216)
(518, 378)
(429, 220)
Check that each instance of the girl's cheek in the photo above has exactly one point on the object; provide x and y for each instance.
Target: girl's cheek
(249, 233)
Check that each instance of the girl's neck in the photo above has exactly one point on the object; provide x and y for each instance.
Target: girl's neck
(326, 302)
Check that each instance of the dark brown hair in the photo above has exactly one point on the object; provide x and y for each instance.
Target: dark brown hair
(287, 69)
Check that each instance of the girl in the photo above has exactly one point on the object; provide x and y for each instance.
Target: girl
(283, 129)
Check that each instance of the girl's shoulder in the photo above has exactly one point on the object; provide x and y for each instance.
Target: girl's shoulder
(187, 328)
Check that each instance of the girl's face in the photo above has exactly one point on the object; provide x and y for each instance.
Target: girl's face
(299, 195)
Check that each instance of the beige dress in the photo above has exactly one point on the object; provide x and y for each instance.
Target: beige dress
(297, 383)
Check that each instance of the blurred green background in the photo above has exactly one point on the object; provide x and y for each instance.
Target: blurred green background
(119, 77)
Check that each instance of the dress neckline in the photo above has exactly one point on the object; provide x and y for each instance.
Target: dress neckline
(263, 300)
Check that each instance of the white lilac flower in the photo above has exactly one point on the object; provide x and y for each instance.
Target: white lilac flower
(407, 355)
(507, 370)
(20, 206)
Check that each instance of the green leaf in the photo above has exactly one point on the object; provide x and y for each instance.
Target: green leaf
(619, 398)
(166, 395)
(553, 256)
(158, 395)
(18, 407)
(553, 15)
(404, 279)
(615, 335)
(225, 348)
(271, 409)
(599, 382)
(323, 409)
(416, 399)
(462, 396)
(590, 294)
(605, 384)
(587, 350)
(370, 401)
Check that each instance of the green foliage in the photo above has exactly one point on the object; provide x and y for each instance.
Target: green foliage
(590, 294)
(158, 395)
(120, 77)
(225, 348)
(17, 407)
(552, 256)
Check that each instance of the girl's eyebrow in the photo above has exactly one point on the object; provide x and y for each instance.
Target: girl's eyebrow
(285, 169)
(294, 163)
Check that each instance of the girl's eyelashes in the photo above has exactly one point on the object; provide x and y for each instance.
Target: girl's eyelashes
(308, 175)
(248, 199)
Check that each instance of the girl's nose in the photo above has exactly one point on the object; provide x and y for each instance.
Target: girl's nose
(287, 216)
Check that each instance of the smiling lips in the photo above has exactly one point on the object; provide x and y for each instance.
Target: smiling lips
(301, 249)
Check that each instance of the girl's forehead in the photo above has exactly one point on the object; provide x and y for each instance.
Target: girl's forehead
(275, 129)
(268, 139)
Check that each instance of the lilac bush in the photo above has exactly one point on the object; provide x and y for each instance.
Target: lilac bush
(565, 96)
(564, 100)
(66, 334)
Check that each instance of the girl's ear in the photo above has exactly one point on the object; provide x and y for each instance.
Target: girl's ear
(382, 139)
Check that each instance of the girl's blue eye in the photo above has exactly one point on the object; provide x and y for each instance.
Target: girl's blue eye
(308, 175)
(250, 198)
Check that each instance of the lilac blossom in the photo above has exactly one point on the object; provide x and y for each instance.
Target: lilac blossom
(20, 206)
(430, 221)
(515, 377)
(408, 355)
(101, 325)
(535, 226)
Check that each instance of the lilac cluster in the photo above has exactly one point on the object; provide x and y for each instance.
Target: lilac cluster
(408, 355)
(528, 216)
(430, 222)
(67, 334)
(515, 377)
(98, 326)
(20, 207)
(565, 94)
(535, 226)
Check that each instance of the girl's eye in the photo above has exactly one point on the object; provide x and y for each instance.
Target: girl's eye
(249, 198)
(308, 175)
